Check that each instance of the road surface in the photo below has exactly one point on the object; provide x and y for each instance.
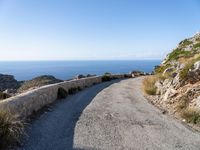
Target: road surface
(109, 116)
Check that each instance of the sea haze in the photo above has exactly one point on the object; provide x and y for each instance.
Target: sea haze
(25, 70)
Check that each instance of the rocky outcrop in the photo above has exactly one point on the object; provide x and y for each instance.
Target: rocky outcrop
(38, 82)
(179, 75)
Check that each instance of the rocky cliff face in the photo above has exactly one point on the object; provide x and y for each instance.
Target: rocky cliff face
(178, 84)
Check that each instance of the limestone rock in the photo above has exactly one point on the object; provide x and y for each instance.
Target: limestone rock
(181, 76)
(159, 86)
(197, 66)
(169, 94)
(168, 70)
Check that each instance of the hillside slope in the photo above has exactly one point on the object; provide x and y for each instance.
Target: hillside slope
(177, 81)
(38, 82)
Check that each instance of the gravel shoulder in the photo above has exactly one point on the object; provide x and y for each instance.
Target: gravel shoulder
(112, 115)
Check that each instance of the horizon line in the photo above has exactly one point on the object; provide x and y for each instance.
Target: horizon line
(80, 60)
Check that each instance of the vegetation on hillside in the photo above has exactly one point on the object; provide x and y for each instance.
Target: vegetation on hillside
(191, 115)
(197, 45)
(184, 72)
(180, 70)
(160, 69)
(178, 53)
(185, 43)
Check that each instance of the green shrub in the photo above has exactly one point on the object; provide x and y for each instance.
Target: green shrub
(185, 42)
(149, 85)
(73, 90)
(163, 77)
(182, 104)
(79, 88)
(184, 72)
(161, 69)
(178, 53)
(191, 116)
(188, 66)
(4, 96)
(197, 45)
(62, 93)
(106, 78)
(11, 130)
(198, 39)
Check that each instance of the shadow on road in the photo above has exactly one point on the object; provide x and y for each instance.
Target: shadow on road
(91, 93)
(54, 130)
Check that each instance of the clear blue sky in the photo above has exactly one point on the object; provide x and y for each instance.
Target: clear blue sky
(94, 29)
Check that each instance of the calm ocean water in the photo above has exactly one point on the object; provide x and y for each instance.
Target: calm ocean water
(69, 69)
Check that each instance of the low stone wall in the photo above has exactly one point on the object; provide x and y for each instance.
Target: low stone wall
(27, 103)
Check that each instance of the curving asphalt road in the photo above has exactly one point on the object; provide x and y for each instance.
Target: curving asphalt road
(118, 117)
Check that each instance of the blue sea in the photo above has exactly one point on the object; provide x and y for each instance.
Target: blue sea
(26, 70)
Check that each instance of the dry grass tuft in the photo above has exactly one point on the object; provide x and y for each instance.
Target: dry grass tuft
(11, 129)
(182, 104)
(191, 115)
(149, 85)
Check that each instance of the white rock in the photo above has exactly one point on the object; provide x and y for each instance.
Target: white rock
(169, 93)
(168, 70)
(184, 120)
(197, 66)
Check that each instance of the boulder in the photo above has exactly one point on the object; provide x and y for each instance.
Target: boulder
(165, 85)
(180, 66)
(196, 66)
(159, 87)
(169, 94)
(176, 81)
